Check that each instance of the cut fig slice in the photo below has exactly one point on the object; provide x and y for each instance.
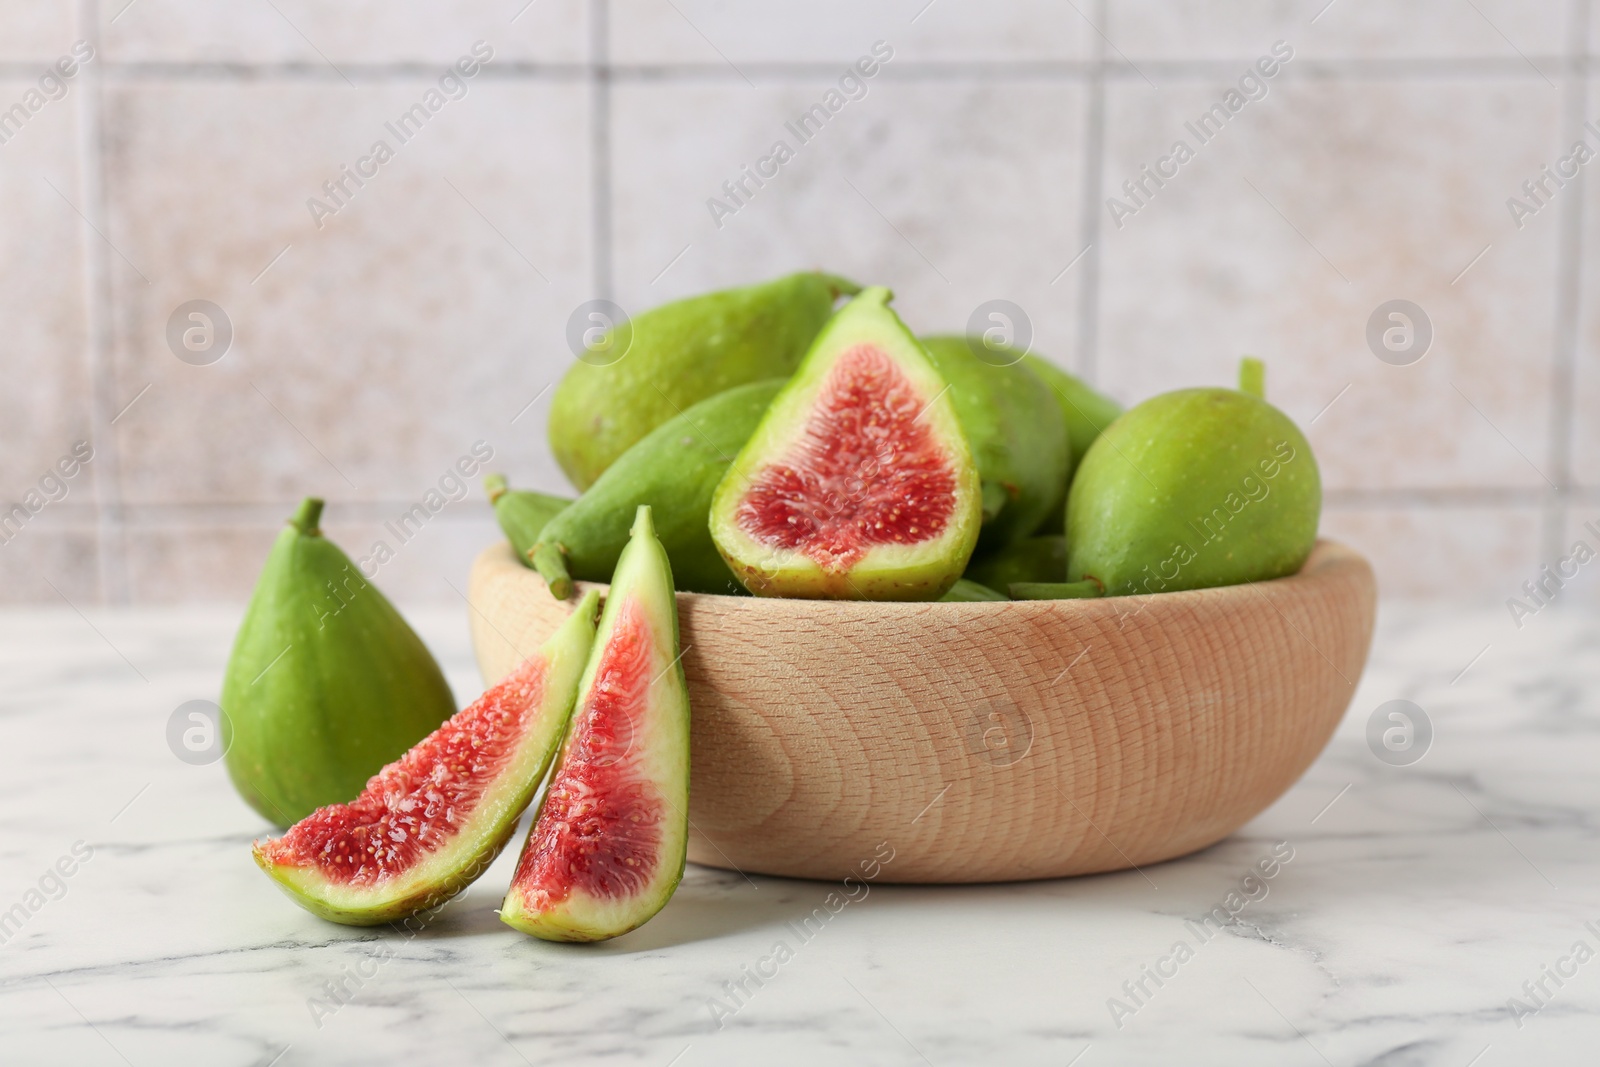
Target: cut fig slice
(859, 483)
(608, 846)
(431, 822)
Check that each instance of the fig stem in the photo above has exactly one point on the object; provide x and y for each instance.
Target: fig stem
(1088, 589)
(495, 485)
(307, 515)
(1253, 377)
(550, 560)
(644, 524)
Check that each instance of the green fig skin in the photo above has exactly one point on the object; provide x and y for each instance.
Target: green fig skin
(1193, 489)
(1087, 412)
(675, 469)
(521, 513)
(1036, 559)
(678, 355)
(923, 570)
(970, 592)
(1017, 433)
(326, 683)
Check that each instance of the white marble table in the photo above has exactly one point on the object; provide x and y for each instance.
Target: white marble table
(1417, 903)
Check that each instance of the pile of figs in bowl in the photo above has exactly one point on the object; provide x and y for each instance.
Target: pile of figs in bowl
(998, 623)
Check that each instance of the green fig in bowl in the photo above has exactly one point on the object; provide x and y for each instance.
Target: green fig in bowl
(1193, 489)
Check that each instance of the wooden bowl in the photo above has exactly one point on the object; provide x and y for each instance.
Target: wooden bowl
(990, 741)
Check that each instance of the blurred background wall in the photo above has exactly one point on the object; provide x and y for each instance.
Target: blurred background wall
(377, 339)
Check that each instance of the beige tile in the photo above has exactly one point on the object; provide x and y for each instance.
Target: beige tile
(52, 559)
(36, 31)
(1585, 441)
(196, 562)
(1346, 29)
(1283, 235)
(45, 405)
(367, 31)
(203, 557)
(430, 563)
(911, 187)
(1459, 554)
(419, 319)
(44, 408)
(837, 31)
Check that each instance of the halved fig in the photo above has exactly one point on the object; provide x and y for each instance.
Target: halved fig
(859, 483)
(431, 822)
(608, 846)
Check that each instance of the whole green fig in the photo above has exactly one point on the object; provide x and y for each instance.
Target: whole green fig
(326, 683)
(1191, 489)
(1018, 438)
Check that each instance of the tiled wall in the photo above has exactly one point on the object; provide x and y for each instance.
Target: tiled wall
(374, 350)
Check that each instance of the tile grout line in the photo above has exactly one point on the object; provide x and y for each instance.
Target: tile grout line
(110, 550)
(600, 145)
(1071, 70)
(1569, 266)
(1086, 361)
